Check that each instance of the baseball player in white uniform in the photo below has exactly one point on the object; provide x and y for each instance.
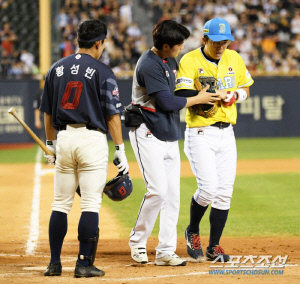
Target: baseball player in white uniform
(155, 142)
(81, 102)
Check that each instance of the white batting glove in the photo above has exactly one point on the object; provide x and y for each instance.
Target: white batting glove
(51, 145)
(121, 157)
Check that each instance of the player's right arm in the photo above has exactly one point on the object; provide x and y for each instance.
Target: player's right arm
(115, 128)
(169, 102)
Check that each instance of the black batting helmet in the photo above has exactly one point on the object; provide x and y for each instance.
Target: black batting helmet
(119, 187)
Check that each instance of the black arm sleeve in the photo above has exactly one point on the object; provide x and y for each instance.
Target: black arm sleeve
(186, 93)
(168, 102)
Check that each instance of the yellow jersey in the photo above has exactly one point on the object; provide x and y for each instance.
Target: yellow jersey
(230, 73)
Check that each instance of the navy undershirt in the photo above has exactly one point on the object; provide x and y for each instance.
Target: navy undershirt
(168, 102)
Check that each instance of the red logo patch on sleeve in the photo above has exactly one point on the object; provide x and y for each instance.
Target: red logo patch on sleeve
(115, 92)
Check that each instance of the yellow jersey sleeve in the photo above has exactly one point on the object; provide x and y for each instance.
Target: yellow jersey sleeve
(244, 78)
(186, 74)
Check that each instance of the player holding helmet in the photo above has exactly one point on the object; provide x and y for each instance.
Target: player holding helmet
(81, 102)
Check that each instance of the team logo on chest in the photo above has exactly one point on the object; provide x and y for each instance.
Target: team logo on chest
(230, 71)
(200, 70)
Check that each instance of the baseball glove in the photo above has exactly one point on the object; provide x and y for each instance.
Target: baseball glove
(205, 110)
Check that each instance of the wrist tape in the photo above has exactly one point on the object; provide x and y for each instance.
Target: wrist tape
(120, 147)
(242, 95)
(51, 142)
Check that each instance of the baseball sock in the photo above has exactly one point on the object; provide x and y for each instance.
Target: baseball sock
(217, 220)
(58, 227)
(196, 213)
(87, 227)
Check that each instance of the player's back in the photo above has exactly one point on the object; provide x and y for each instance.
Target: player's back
(75, 86)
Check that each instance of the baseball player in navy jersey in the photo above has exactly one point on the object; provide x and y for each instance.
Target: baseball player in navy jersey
(81, 101)
(209, 141)
(155, 142)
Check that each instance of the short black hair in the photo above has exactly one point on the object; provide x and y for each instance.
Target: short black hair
(90, 29)
(169, 32)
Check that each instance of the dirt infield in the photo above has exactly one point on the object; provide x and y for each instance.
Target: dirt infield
(24, 250)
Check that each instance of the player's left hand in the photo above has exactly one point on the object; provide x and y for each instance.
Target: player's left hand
(230, 99)
(51, 145)
(120, 155)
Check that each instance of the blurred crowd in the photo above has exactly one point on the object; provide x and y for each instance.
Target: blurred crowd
(125, 42)
(266, 32)
(14, 63)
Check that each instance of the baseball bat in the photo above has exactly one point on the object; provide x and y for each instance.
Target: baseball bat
(13, 112)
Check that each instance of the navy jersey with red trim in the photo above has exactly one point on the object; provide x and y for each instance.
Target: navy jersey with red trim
(152, 74)
(80, 89)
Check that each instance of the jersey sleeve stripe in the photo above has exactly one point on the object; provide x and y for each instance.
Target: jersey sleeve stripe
(183, 87)
(249, 83)
(112, 81)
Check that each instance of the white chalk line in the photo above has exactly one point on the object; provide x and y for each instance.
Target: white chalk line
(35, 207)
(45, 172)
(19, 273)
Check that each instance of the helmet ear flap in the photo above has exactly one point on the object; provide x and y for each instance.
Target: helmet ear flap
(119, 188)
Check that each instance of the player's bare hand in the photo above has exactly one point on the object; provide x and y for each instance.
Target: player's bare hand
(222, 94)
(206, 97)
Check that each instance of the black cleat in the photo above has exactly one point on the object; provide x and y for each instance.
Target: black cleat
(193, 245)
(89, 271)
(53, 269)
(213, 252)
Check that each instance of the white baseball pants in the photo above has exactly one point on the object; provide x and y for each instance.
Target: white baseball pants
(159, 162)
(213, 156)
(81, 157)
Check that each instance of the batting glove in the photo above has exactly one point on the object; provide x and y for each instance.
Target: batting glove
(51, 145)
(230, 98)
(121, 157)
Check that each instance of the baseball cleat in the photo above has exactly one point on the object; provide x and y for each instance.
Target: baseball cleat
(171, 260)
(139, 254)
(53, 269)
(213, 252)
(89, 271)
(193, 244)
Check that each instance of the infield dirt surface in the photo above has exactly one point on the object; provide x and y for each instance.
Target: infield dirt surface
(113, 255)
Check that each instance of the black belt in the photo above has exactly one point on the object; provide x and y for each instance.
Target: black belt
(220, 124)
(64, 127)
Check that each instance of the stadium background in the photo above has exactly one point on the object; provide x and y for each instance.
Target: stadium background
(264, 218)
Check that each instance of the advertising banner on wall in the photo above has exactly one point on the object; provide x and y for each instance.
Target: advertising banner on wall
(20, 95)
(271, 111)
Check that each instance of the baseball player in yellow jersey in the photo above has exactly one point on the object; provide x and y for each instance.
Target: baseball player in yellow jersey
(209, 141)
